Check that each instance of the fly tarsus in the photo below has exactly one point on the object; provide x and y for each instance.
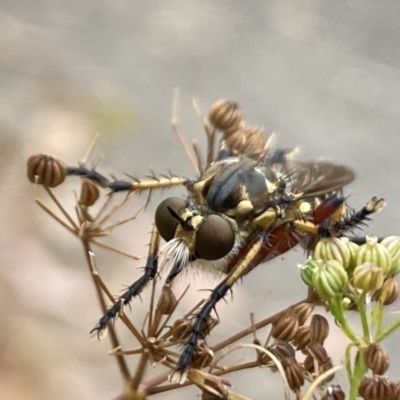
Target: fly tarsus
(132, 291)
(201, 318)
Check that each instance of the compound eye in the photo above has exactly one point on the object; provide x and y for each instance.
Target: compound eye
(214, 238)
(166, 223)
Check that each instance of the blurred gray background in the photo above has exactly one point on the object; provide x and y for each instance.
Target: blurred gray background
(322, 74)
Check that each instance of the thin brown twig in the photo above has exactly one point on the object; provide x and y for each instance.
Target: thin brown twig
(60, 207)
(122, 365)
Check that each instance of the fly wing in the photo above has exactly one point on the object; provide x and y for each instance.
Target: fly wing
(317, 178)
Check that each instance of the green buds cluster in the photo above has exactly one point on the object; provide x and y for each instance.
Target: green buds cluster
(368, 277)
(333, 249)
(329, 278)
(347, 276)
(392, 244)
(339, 266)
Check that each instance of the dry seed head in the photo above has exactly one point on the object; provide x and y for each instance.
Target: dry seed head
(167, 301)
(394, 390)
(302, 311)
(89, 193)
(294, 373)
(334, 392)
(302, 339)
(225, 115)
(376, 359)
(318, 352)
(213, 387)
(203, 357)
(327, 367)
(285, 327)
(282, 349)
(209, 325)
(310, 363)
(378, 388)
(156, 355)
(256, 141)
(319, 329)
(246, 140)
(388, 293)
(368, 277)
(46, 170)
(181, 329)
(210, 396)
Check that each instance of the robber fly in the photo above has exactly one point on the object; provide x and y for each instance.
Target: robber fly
(248, 205)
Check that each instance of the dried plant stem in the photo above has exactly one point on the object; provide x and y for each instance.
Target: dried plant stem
(122, 316)
(114, 208)
(58, 219)
(176, 128)
(150, 326)
(162, 326)
(320, 380)
(122, 365)
(140, 370)
(60, 207)
(83, 161)
(114, 249)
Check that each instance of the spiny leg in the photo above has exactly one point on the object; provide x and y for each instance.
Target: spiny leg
(179, 375)
(149, 273)
(331, 220)
(51, 172)
(355, 219)
(120, 185)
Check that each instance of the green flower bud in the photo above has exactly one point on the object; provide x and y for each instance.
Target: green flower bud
(307, 271)
(395, 268)
(329, 278)
(346, 302)
(368, 277)
(376, 253)
(333, 249)
(353, 248)
(392, 244)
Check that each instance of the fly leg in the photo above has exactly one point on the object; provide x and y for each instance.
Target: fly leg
(355, 219)
(136, 185)
(149, 273)
(179, 375)
(332, 219)
(51, 172)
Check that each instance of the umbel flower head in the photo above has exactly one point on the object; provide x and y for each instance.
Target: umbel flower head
(333, 249)
(329, 278)
(368, 277)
